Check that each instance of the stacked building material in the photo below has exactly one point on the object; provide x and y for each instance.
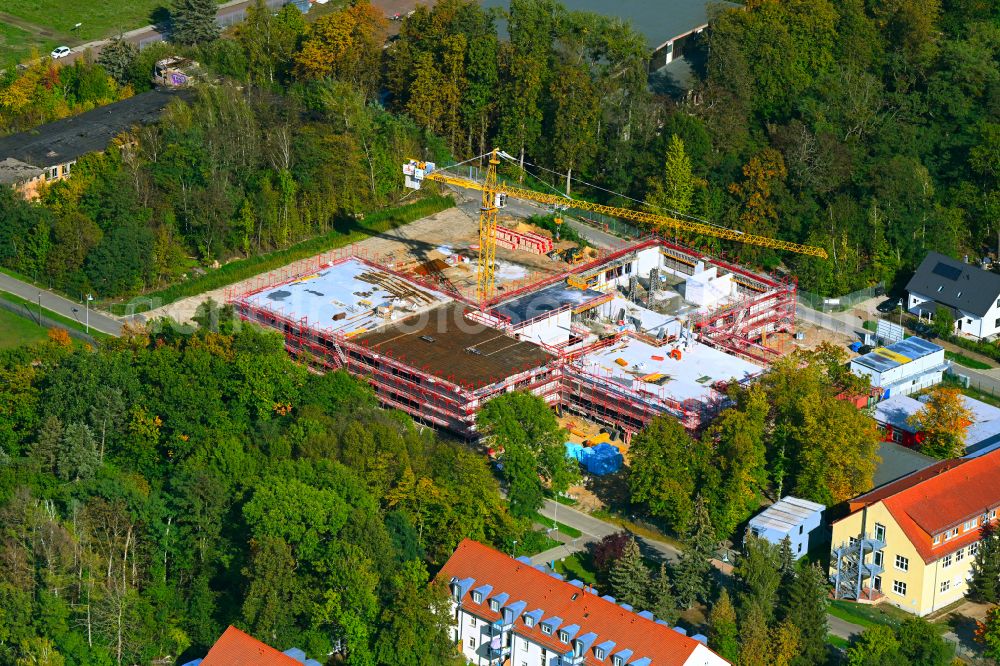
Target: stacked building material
(528, 241)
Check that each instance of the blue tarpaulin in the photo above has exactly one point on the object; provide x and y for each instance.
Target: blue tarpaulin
(603, 459)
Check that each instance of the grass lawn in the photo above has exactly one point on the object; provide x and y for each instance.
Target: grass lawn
(100, 18)
(870, 616)
(65, 321)
(962, 359)
(577, 566)
(16, 331)
(837, 641)
(565, 529)
(16, 43)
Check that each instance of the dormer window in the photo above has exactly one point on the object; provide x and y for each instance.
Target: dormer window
(547, 630)
(529, 621)
(617, 661)
(477, 597)
(937, 539)
(564, 637)
(494, 605)
(598, 653)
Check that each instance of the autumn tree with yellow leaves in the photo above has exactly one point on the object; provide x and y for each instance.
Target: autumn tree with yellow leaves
(943, 422)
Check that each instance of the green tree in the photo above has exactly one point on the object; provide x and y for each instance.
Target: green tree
(630, 579)
(78, 457)
(527, 430)
(988, 633)
(693, 573)
(804, 607)
(921, 643)
(117, 57)
(193, 21)
(756, 648)
(574, 120)
(269, 40)
(985, 583)
(759, 574)
(662, 601)
(675, 192)
(944, 321)
(723, 634)
(875, 646)
(665, 466)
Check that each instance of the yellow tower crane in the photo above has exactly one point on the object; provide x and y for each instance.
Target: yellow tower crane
(495, 196)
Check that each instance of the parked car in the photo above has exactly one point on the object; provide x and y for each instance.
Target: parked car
(60, 52)
(889, 305)
(926, 331)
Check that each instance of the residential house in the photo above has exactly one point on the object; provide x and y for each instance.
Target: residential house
(235, 648)
(912, 542)
(47, 153)
(506, 611)
(790, 518)
(971, 293)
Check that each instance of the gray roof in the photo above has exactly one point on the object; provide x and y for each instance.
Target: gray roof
(896, 412)
(786, 514)
(70, 138)
(912, 348)
(956, 284)
(897, 462)
(543, 301)
(14, 172)
(659, 21)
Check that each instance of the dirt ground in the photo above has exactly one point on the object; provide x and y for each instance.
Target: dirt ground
(815, 335)
(419, 247)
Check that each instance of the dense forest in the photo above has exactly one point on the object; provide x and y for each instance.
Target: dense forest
(869, 128)
(157, 489)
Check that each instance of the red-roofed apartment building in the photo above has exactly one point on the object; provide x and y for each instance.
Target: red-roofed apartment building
(508, 612)
(235, 648)
(912, 542)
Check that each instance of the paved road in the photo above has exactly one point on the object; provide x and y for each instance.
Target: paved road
(843, 628)
(63, 306)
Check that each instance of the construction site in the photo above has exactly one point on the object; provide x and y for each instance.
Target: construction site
(617, 335)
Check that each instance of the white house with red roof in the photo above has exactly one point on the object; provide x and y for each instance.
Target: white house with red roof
(912, 542)
(507, 611)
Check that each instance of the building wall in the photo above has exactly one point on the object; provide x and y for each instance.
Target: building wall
(924, 593)
(798, 535)
(972, 325)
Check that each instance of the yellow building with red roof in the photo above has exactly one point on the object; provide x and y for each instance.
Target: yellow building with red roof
(912, 542)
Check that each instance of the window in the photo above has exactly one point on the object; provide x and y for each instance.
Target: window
(472, 643)
(800, 548)
(946, 561)
(951, 533)
(899, 587)
(937, 539)
(879, 532)
(547, 630)
(529, 621)
(877, 583)
(599, 653)
(564, 637)
(524, 644)
(477, 597)
(993, 514)
(800, 529)
(969, 524)
(877, 558)
(940, 287)
(997, 324)
(617, 661)
(973, 549)
(959, 555)
(902, 563)
(945, 585)
(472, 620)
(494, 605)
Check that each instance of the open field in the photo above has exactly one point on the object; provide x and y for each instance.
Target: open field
(99, 18)
(16, 43)
(16, 331)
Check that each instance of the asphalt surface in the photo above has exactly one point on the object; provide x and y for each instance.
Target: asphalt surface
(63, 306)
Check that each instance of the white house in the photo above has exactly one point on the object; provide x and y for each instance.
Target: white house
(506, 611)
(791, 518)
(971, 293)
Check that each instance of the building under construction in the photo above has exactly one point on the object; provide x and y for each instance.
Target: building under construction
(647, 328)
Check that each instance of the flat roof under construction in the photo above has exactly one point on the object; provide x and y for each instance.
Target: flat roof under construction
(690, 378)
(344, 297)
(443, 342)
(545, 300)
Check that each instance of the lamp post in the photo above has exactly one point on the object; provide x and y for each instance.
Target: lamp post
(89, 299)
